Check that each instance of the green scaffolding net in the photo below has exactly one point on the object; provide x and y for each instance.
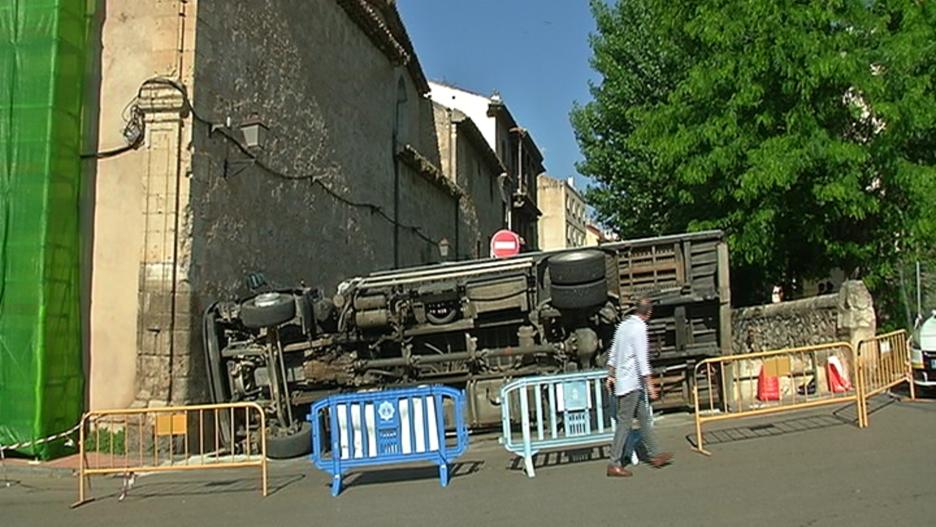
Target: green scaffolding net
(42, 71)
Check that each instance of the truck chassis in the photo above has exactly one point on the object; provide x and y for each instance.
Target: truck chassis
(473, 324)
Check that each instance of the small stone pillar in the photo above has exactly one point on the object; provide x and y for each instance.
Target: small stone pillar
(856, 319)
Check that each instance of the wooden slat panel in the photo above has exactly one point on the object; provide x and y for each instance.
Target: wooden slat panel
(703, 247)
(705, 258)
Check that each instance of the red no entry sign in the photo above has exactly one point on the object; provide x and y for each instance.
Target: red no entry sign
(505, 244)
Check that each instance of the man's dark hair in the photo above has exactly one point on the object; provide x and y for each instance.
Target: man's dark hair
(644, 307)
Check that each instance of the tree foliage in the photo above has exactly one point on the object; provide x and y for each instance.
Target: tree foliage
(805, 129)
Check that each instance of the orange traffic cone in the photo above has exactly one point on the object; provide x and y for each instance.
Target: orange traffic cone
(768, 386)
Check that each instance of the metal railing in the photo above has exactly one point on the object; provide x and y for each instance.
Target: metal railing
(576, 413)
(770, 382)
(883, 363)
(179, 438)
(383, 427)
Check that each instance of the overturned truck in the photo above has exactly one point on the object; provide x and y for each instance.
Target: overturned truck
(473, 324)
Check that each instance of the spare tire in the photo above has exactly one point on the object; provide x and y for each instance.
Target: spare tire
(579, 296)
(290, 444)
(577, 267)
(267, 310)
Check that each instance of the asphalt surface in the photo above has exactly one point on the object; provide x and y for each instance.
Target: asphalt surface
(796, 470)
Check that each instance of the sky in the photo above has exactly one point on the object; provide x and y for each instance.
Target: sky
(534, 52)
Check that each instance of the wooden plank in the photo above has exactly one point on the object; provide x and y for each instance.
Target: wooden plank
(647, 283)
(686, 266)
(704, 247)
(680, 330)
(724, 311)
(706, 270)
(652, 270)
(648, 256)
(710, 257)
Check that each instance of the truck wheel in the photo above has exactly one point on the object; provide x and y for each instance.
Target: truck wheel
(213, 363)
(217, 377)
(577, 267)
(267, 310)
(579, 296)
(290, 444)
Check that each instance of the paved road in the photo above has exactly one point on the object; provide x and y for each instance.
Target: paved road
(803, 471)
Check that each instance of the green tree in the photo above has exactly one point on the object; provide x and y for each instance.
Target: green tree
(639, 68)
(805, 129)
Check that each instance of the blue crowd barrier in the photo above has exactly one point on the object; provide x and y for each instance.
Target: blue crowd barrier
(577, 413)
(384, 427)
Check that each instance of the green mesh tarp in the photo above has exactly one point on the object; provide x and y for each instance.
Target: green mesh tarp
(42, 67)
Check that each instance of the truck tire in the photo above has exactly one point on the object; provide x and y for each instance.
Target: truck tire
(295, 444)
(579, 296)
(267, 310)
(213, 363)
(577, 267)
(217, 376)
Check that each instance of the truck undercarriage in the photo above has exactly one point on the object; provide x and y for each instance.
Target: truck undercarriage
(474, 324)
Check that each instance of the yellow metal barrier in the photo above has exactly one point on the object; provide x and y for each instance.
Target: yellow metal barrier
(770, 382)
(883, 363)
(140, 440)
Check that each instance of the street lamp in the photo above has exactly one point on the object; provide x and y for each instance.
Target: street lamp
(444, 248)
(255, 133)
(252, 141)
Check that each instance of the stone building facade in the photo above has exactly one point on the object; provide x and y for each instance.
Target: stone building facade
(564, 223)
(344, 179)
(468, 161)
(515, 148)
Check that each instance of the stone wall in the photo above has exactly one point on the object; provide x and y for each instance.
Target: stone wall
(846, 316)
(332, 101)
(181, 221)
(346, 126)
(429, 206)
(469, 161)
(479, 175)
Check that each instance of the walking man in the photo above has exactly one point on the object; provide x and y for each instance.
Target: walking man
(628, 376)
